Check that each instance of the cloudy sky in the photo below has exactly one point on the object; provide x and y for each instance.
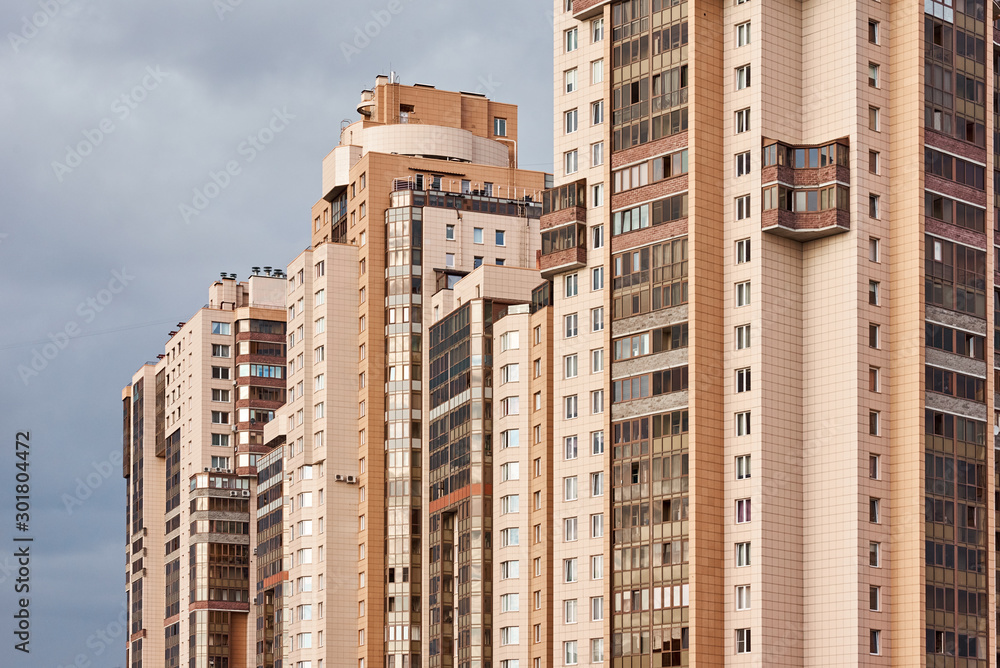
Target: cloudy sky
(114, 113)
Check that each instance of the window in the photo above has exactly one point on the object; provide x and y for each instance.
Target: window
(873, 158)
(510, 438)
(449, 259)
(597, 650)
(597, 442)
(569, 570)
(572, 328)
(743, 380)
(500, 127)
(743, 423)
(509, 373)
(873, 72)
(597, 484)
(875, 599)
(597, 159)
(743, 163)
(597, 71)
(597, 567)
(220, 395)
(449, 232)
(597, 30)
(477, 261)
(570, 530)
(874, 384)
(570, 366)
(742, 337)
(220, 372)
(742, 554)
(509, 635)
(510, 537)
(874, 426)
(570, 653)
(320, 326)
(875, 555)
(597, 196)
(742, 511)
(477, 235)
(874, 121)
(220, 440)
(220, 417)
(501, 238)
(743, 597)
(874, 467)
(743, 293)
(596, 608)
(742, 77)
(742, 467)
(873, 335)
(597, 363)
(510, 406)
(743, 34)
(874, 250)
(873, 296)
(220, 350)
(571, 121)
(509, 471)
(874, 506)
(510, 341)
(220, 462)
(742, 207)
(743, 120)
(597, 319)
(874, 642)
(320, 382)
(569, 489)
(509, 570)
(509, 603)
(597, 278)
(509, 504)
(597, 398)
(873, 205)
(742, 641)
(571, 285)
(572, 163)
(570, 79)
(873, 31)
(571, 40)
(571, 407)
(221, 328)
(571, 447)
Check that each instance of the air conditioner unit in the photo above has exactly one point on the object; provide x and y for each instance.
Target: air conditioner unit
(206, 469)
(234, 427)
(234, 493)
(255, 552)
(352, 480)
(246, 492)
(339, 478)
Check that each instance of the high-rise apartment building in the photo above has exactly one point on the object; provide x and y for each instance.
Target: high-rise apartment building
(193, 433)
(426, 187)
(797, 308)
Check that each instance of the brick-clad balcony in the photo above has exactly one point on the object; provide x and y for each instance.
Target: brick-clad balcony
(571, 214)
(805, 225)
(588, 9)
(804, 178)
(562, 260)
